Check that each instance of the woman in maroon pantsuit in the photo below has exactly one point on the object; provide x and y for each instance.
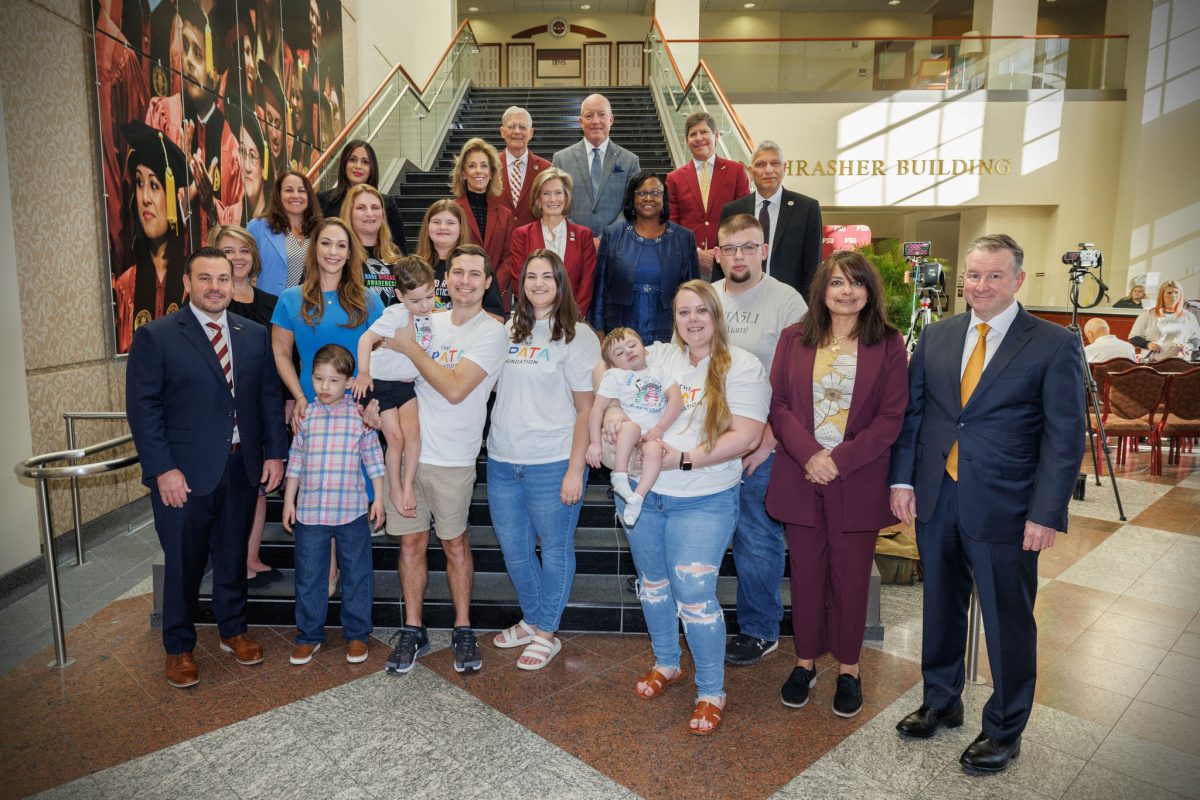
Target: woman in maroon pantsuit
(839, 387)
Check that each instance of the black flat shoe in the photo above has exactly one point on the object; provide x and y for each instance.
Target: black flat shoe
(924, 722)
(985, 755)
(795, 692)
(848, 699)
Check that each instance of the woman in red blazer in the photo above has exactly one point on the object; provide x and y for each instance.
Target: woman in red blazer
(550, 202)
(475, 181)
(727, 182)
(839, 387)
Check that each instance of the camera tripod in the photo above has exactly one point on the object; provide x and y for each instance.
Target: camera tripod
(922, 315)
(1089, 384)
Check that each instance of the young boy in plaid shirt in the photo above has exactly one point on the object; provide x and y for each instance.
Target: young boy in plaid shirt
(326, 498)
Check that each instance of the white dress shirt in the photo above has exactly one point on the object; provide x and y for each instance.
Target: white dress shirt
(773, 212)
(591, 156)
(223, 321)
(556, 239)
(997, 327)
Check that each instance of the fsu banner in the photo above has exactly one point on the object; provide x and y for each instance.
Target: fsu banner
(843, 237)
(201, 104)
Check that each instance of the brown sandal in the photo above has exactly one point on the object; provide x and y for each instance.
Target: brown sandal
(710, 713)
(655, 683)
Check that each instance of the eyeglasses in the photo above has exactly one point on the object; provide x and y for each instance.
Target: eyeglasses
(642, 194)
(248, 156)
(747, 249)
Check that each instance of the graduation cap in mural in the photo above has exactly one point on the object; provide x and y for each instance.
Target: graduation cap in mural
(150, 148)
(246, 121)
(190, 14)
(272, 89)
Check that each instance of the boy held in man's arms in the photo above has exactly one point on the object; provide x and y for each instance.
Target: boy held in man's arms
(650, 400)
(326, 499)
(388, 376)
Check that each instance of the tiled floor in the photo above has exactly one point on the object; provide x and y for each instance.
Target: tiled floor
(1117, 711)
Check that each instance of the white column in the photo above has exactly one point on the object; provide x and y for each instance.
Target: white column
(680, 19)
(19, 530)
(1009, 63)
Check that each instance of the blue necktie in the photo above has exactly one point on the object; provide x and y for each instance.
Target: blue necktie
(596, 158)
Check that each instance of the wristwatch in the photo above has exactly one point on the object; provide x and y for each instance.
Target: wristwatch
(685, 462)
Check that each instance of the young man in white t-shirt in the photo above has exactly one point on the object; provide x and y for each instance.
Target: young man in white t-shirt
(757, 308)
(465, 354)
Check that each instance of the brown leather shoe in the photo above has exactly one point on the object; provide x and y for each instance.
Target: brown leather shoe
(356, 651)
(247, 651)
(303, 652)
(181, 670)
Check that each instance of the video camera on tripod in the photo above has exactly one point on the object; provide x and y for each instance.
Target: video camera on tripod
(926, 273)
(1081, 263)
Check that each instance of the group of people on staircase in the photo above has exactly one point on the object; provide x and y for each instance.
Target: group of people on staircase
(766, 388)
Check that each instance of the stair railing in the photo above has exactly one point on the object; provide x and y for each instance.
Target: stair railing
(35, 469)
(676, 99)
(404, 121)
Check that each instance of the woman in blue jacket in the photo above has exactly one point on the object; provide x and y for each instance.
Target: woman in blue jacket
(643, 258)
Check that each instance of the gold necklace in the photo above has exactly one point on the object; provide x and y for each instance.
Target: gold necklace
(836, 346)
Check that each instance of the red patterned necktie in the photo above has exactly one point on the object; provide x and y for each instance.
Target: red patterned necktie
(515, 182)
(222, 347)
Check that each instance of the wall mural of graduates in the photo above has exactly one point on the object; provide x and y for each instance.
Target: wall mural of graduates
(202, 104)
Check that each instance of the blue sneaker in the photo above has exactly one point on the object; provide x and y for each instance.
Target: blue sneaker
(410, 645)
(466, 650)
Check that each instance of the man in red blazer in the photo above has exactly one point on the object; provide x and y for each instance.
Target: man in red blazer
(691, 207)
(519, 166)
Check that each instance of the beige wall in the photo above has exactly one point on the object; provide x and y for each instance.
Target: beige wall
(413, 33)
(54, 181)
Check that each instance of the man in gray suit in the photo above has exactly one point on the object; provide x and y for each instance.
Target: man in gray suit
(599, 167)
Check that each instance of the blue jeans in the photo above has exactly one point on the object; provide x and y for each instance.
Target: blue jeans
(525, 507)
(677, 547)
(759, 553)
(312, 579)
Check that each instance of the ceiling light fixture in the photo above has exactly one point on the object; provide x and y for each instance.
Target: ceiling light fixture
(473, 9)
(585, 7)
(893, 2)
(747, 5)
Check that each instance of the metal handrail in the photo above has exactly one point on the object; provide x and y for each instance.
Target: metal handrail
(34, 468)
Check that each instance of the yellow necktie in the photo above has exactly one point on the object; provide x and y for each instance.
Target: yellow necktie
(970, 379)
(705, 179)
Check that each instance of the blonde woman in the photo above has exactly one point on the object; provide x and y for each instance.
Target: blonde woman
(478, 187)
(1168, 330)
(687, 520)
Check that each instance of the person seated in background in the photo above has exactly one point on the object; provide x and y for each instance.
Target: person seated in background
(1167, 330)
(1103, 345)
(1137, 293)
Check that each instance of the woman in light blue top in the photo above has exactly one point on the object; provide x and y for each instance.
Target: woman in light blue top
(282, 235)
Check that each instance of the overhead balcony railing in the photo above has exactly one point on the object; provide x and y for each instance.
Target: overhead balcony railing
(676, 99)
(405, 121)
(771, 70)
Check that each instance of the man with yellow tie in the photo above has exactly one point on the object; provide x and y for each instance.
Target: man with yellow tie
(985, 464)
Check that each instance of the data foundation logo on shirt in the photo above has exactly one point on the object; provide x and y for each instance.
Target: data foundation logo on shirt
(528, 354)
(449, 357)
(692, 396)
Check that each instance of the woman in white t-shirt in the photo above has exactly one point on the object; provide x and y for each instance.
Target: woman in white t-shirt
(536, 469)
(688, 519)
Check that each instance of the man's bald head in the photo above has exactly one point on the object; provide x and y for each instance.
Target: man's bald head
(1094, 329)
(595, 118)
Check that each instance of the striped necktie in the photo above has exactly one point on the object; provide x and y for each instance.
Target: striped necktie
(222, 347)
(970, 379)
(514, 181)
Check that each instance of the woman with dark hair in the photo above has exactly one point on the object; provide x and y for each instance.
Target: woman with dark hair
(642, 261)
(477, 186)
(688, 518)
(443, 228)
(283, 234)
(359, 165)
(152, 286)
(536, 448)
(839, 386)
(256, 305)
(363, 209)
(251, 154)
(550, 203)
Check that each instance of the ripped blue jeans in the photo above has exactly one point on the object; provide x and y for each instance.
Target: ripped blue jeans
(677, 547)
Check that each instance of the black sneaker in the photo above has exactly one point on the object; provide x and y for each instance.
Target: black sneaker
(410, 645)
(847, 701)
(795, 692)
(744, 650)
(466, 650)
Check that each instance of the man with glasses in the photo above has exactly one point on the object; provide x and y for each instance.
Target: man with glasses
(519, 165)
(599, 168)
(791, 221)
(757, 309)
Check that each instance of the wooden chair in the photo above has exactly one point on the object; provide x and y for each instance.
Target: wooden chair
(1172, 366)
(1181, 416)
(1131, 400)
(1100, 370)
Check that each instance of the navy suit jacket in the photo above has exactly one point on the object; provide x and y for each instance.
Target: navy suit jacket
(795, 242)
(1020, 435)
(180, 409)
(596, 211)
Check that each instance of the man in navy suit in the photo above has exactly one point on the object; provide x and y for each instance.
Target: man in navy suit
(985, 463)
(206, 413)
(599, 167)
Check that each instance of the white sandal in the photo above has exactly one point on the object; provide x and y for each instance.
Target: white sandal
(542, 650)
(516, 636)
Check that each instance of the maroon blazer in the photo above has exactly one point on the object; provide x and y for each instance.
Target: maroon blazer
(521, 213)
(580, 258)
(729, 182)
(858, 499)
(498, 240)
